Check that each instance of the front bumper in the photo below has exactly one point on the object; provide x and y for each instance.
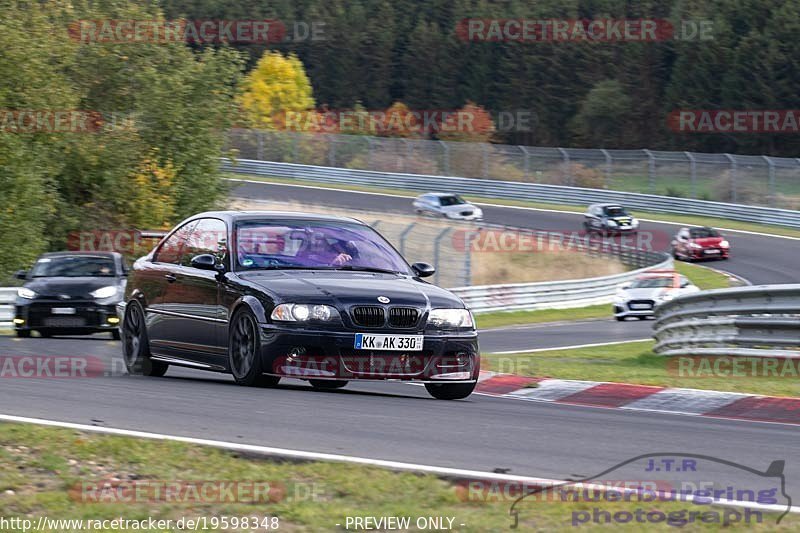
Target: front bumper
(623, 309)
(476, 218)
(82, 317)
(310, 354)
(709, 253)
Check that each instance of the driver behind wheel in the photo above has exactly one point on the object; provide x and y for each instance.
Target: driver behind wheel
(321, 252)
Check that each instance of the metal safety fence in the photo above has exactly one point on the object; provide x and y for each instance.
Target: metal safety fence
(755, 321)
(511, 190)
(727, 178)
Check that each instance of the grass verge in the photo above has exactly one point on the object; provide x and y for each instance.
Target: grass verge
(635, 362)
(689, 220)
(40, 469)
(511, 318)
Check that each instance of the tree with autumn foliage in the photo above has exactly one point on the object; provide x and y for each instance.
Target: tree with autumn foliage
(471, 123)
(276, 87)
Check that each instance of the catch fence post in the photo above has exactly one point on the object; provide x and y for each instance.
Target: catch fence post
(437, 254)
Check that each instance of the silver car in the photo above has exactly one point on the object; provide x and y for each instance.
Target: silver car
(640, 297)
(446, 205)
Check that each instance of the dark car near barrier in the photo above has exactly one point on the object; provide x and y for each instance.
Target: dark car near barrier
(70, 293)
(609, 219)
(266, 295)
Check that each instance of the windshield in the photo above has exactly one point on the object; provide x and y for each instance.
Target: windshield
(72, 266)
(702, 233)
(452, 200)
(616, 211)
(652, 283)
(310, 244)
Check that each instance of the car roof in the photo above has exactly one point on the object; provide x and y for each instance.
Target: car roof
(439, 194)
(607, 204)
(67, 253)
(233, 216)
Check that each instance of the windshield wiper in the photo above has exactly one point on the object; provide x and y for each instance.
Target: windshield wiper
(366, 269)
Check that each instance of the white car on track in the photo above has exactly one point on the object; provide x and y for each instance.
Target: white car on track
(446, 205)
(640, 297)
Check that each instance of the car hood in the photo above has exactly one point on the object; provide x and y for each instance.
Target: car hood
(458, 208)
(644, 293)
(349, 288)
(706, 242)
(626, 219)
(78, 287)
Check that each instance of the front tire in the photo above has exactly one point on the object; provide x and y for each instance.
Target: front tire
(450, 391)
(327, 384)
(244, 351)
(23, 333)
(115, 334)
(136, 346)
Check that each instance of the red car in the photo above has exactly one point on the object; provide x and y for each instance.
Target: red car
(700, 242)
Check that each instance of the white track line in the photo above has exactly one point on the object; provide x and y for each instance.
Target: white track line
(315, 456)
(504, 206)
(574, 346)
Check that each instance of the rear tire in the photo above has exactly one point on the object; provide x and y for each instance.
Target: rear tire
(450, 391)
(45, 334)
(327, 384)
(136, 346)
(244, 351)
(23, 333)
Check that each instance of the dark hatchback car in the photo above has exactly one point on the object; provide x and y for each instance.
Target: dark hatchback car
(609, 219)
(71, 293)
(266, 295)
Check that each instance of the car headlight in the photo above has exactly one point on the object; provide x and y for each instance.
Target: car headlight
(303, 312)
(694, 245)
(724, 244)
(24, 292)
(634, 223)
(450, 318)
(104, 292)
(478, 212)
(612, 223)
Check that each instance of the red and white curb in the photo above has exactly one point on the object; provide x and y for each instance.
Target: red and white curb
(693, 402)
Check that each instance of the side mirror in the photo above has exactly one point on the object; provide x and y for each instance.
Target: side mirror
(625, 285)
(206, 262)
(21, 274)
(423, 270)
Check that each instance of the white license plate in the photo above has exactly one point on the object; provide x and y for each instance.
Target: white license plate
(397, 343)
(641, 306)
(63, 310)
(711, 252)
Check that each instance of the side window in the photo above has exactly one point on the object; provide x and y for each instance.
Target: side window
(210, 236)
(171, 249)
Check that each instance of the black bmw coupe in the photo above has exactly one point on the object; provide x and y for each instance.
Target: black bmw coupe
(266, 295)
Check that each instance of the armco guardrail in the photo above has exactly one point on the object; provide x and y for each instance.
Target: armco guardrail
(7, 297)
(550, 294)
(512, 190)
(760, 320)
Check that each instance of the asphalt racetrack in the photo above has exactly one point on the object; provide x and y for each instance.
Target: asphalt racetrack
(401, 422)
